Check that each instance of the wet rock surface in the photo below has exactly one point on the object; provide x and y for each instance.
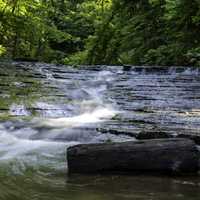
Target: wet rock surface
(151, 102)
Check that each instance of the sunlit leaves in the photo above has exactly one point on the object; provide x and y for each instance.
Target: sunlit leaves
(2, 50)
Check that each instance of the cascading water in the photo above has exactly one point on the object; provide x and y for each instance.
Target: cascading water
(43, 138)
(46, 108)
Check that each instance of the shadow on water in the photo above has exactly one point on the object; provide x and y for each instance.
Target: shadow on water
(46, 108)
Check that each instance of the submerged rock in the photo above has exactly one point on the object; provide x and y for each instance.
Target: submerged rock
(161, 155)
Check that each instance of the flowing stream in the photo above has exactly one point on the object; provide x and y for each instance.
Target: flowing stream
(46, 108)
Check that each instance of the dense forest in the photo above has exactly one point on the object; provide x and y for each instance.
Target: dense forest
(139, 32)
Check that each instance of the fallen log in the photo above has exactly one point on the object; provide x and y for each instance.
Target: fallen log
(195, 138)
(158, 155)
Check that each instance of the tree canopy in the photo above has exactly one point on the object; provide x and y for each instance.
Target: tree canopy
(139, 32)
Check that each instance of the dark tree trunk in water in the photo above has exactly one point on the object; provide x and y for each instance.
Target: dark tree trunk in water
(160, 155)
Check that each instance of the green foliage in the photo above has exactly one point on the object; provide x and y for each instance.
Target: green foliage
(2, 50)
(193, 56)
(75, 59)
(141, 32)
(45, 30)
(148, 32)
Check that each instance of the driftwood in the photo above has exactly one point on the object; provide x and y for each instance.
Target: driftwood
(158, 155)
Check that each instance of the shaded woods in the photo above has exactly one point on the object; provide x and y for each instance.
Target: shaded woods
(139, 32)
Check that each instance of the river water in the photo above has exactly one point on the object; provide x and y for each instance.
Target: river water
(46, 108)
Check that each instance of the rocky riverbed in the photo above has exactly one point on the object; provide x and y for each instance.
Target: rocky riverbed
(45, 108)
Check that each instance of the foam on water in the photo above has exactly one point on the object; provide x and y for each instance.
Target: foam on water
(19, 110)
(19, 154)
(18, 146)
(96, 116)
(93, 110)
(31, 145)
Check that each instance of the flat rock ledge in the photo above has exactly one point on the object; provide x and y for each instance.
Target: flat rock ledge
(171, 156)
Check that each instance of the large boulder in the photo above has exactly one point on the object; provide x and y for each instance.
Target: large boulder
(158, 155)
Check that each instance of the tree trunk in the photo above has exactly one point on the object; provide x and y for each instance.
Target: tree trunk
(158, 155)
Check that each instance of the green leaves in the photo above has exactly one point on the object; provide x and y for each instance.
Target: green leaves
(2, 50)
(152, 32)
(160, 32)
(193, 56)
